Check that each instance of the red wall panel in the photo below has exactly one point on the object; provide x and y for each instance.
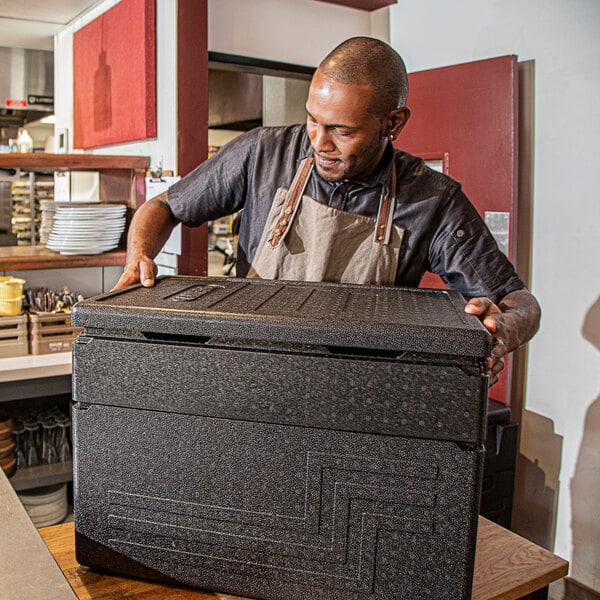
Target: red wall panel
(114, 76)
(192, 118)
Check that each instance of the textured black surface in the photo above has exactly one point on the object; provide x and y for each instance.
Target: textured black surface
(498, 484)
(354, 394)
(274, 511)
(355, 316)
(331, 451)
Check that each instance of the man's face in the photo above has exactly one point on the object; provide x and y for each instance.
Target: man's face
(348, 141)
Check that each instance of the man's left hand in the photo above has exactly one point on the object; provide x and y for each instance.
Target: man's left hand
(491, 317)
(512, 322)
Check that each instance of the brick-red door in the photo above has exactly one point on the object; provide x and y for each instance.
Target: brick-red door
(464, 118)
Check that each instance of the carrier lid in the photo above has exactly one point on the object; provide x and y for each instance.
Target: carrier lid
(342, 315)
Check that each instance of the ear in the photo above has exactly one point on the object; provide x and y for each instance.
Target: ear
(397, 119)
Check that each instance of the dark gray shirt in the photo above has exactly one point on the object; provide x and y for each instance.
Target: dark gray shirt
(443, 231)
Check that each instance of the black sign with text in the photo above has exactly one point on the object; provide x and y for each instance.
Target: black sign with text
(35, 99)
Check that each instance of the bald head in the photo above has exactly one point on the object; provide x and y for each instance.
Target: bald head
(365, 60)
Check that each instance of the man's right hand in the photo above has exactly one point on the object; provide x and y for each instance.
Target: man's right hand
(140, 270)
(149, 230)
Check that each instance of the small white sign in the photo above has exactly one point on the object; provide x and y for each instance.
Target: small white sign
(154, 187)
(499, 225)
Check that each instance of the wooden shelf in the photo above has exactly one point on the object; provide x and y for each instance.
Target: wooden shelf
(63, 162)
(27, 258)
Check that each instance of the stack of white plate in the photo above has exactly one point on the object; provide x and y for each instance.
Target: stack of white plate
(47, 208)
(46, 505)
(86, 228)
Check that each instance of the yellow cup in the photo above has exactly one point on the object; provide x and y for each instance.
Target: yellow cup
(11, 308)
(11, 288)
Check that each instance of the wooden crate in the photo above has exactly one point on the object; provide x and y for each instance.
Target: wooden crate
(53, 332)
(13, 336)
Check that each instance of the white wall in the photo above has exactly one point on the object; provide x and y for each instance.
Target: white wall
(295, 31)
(561, 430)
(284, 100)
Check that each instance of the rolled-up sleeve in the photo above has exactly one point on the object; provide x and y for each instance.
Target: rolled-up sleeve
(217, 187)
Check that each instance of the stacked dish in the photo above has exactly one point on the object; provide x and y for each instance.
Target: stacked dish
(47, 208)
(8, 461)
(46, 505)
(90, 228)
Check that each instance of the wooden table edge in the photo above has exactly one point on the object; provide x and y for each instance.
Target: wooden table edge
(64, 554)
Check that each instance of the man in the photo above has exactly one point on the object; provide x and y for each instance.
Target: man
(332, 200)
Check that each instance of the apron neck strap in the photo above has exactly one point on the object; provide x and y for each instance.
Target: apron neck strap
(292, 200)
(387, 206)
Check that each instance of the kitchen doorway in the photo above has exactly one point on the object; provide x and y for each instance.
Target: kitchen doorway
(244, 93)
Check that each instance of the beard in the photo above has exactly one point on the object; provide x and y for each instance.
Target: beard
(334, 173)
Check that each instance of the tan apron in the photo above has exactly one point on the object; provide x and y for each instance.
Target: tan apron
(304, 240)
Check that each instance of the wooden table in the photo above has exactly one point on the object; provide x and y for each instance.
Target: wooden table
(507, 567)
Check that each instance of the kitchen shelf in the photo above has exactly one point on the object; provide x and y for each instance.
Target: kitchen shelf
(28, 377)
(121, 178)
(35, 376)
(35, 366)
(42, 475)
(121, 181)
(28, 258)
(42, 161)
